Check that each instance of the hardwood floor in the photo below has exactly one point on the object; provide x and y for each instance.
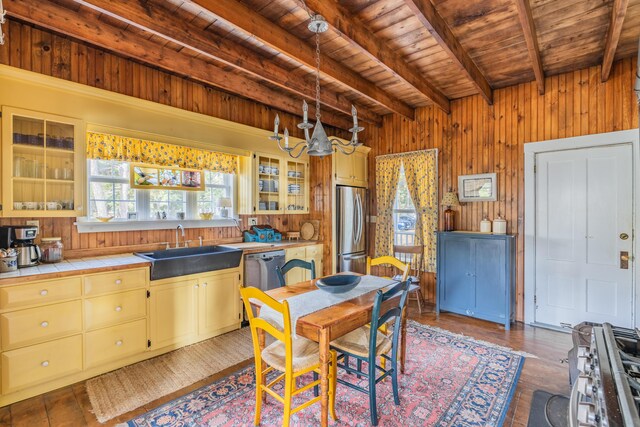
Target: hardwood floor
(69, 406)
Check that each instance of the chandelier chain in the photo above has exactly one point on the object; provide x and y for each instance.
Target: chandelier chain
(318, 76)
(304, 3)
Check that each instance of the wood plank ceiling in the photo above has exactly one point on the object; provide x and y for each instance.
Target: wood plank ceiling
(384, 56)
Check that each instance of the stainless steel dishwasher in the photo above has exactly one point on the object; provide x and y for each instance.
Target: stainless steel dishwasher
(260, 269)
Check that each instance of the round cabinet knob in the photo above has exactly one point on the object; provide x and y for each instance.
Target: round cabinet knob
(204, 285)
(118, 281)
(44, 324)
(118, 308)
(44, 292)
(119, 343)
(45, 364)
(195, 286)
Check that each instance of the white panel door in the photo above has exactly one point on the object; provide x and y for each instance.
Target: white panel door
(583, 212)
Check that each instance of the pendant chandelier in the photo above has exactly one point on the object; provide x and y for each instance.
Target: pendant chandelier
(319, 143)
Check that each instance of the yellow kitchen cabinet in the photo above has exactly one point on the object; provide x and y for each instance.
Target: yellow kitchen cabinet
(305, 253)
(113, 309)
(218, 305)
(352, 169)
(42, 292)
(173, 312)
(104, 283)
(295, 275)
(43, 164)
(315, 253)
(115, 343)
(35, 325)
(297, 191)
(270, 184)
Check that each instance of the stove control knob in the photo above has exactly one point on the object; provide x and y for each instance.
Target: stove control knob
(586, 385)
(587, 414)
(584, 364)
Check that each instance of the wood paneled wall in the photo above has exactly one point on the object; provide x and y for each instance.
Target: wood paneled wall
(46, 53)
(478, 138)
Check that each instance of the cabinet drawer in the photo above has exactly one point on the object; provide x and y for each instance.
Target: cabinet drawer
(295, 253)
(35, 325)
(113, 309)
(313, 251)
(40, 292)
(114, 343)
(104, 283)
(40, 363)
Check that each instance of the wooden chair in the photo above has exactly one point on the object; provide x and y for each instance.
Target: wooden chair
(389, 260)
(413, 255)
(292, 357)
(295, 263)
(366, 346)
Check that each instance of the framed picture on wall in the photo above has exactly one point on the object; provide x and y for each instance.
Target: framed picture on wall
(478, 188)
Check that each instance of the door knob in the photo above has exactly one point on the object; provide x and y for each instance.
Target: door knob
(624, 236)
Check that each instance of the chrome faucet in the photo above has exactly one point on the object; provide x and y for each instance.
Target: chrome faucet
(181, 228)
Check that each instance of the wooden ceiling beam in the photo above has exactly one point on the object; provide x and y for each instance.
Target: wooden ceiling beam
(250, 22)
(88, 28)
(426, 12)
(158, 20)
(531, 38)
(618, 12)
(357, 34)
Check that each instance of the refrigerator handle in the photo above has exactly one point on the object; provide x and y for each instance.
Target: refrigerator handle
(360, 218)
(353, 257)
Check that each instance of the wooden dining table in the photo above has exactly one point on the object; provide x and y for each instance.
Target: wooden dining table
(329, 323)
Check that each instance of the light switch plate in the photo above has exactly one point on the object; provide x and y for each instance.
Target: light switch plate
(253, 221)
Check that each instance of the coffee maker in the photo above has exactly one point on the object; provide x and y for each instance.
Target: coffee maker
(21, 237)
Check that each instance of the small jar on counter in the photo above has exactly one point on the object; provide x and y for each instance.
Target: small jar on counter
(52, 249)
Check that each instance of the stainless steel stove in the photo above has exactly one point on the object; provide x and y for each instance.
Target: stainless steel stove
(606, 390)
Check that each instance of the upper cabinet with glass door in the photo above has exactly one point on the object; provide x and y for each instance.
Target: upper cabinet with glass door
(297, 187)
(43, 164)
(269, 170)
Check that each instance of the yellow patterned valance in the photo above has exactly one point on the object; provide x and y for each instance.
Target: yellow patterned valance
(102, 146)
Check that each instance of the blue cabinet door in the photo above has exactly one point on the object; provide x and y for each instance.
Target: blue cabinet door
(490, 279)
(455, 278)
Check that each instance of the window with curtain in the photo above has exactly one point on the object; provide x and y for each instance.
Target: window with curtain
(407, 197)
(404, 214)
(111, 195)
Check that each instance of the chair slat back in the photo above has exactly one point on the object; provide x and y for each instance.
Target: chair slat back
(411, 254)
(378, 319)
(295, 263)
(255, 323)
(389, 260)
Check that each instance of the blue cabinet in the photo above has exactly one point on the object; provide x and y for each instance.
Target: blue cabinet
(476, 275)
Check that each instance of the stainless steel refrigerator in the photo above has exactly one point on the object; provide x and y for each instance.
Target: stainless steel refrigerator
(351, 233)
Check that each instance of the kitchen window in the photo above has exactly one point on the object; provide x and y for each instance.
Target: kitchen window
(111, 195)
(404, 214)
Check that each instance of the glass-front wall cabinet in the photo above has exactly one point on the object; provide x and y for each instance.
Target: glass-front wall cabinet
(42, 164)
(269, 172)
(297, 197)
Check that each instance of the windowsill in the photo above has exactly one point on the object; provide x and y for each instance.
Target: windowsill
(86, 225)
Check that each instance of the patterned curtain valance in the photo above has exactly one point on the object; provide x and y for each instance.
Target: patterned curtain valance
(103, 146)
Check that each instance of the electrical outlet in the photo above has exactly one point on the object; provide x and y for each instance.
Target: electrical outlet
(34, 222)
(253, 221)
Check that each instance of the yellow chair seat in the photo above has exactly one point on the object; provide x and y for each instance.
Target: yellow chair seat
(357, 342)
(305, 355)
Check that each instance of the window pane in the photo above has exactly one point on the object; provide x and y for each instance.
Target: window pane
(109, 168)
(214, 178)
(101, 190)
(404, 216)
(169, 201)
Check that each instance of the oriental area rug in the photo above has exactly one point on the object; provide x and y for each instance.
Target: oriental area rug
(450, 380)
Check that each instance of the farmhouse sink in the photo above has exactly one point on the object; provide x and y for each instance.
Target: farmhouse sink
(185, 261)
